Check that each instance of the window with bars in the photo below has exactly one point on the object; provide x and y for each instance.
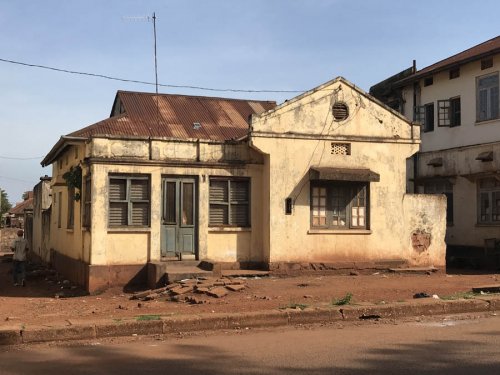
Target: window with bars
(71, 208)
(489, 201)
(229, 202)
(339, 205)
(449, 112)
(87, 198)
(129, 201)
(487, 98)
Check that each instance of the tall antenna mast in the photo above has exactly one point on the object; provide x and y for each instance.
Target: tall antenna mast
(156, 61)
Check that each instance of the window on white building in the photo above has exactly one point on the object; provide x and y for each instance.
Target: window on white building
(489, 201)
(449, 112)
(487, 97)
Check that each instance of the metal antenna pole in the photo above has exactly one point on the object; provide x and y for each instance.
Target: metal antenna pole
(156, 61)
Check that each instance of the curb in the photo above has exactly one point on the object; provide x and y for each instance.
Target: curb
(256, 319)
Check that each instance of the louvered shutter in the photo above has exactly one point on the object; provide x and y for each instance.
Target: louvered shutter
(118, 213)
(117, 189)
(239, 203)
(140, 214)
(219, 214)
(139, 190)
(218, 191)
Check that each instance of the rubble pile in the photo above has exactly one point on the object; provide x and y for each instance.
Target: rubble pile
(194, 290)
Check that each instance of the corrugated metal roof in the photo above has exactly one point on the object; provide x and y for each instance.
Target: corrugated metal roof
(220, 118)
(474, 53)
(19, 208)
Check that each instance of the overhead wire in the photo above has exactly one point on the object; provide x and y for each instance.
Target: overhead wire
(97, 75)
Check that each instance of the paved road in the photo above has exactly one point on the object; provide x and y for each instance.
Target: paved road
(432, 347)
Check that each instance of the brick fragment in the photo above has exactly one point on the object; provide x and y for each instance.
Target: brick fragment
(218, 292)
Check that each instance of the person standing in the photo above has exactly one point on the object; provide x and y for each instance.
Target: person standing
(20, 248)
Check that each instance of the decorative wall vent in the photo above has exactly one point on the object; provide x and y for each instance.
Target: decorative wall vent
(340, 111)
(196, 125)
(341, 148)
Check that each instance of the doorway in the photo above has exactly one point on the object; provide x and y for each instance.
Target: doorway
(179, 218)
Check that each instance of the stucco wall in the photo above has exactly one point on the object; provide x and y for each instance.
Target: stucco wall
(424, 229)
(64, 240)
(140, 245)
(380, 141)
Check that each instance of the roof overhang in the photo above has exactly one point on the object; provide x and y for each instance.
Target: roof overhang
(343, 174)
(429, 71)
(61, 145)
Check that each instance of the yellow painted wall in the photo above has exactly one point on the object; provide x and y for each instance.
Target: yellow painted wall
(297, 136)
(64, 240)
(146, 241)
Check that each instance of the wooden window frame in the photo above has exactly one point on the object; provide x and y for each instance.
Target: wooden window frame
(231, 203)
(353, 189)
(128, 201)
(449, 112)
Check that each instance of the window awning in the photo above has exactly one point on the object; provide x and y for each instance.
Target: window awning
(436, 162)
(343, 174)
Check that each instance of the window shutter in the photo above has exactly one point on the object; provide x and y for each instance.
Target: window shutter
(117, 214)
(140, 214)
(239, 191)
(239, 215)
(218, 191)
(139, 190)
(218, 214)
(117, 190)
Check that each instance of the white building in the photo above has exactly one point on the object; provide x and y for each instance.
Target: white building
(456, 101)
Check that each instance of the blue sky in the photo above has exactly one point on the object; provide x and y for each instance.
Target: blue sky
(251, 44)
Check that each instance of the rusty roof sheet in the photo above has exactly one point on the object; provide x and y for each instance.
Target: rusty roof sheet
(477, 52)
(173, 116)
(19, 208)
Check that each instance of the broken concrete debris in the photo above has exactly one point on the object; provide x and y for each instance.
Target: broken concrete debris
(215, 288)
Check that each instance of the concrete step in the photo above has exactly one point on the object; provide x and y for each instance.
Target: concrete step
(181, 270)
(413, 269)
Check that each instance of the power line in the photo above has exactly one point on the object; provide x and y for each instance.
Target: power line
(145, 82)
(15, 158)
(15, 179)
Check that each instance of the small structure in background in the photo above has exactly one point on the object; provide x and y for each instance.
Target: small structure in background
(16, 215)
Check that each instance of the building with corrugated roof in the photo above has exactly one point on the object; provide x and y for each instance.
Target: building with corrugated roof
(176, 179)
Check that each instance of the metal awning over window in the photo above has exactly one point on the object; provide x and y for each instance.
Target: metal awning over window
(343, 174)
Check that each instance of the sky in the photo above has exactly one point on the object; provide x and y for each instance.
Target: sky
(237, 44)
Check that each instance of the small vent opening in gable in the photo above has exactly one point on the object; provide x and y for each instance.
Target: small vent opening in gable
(341, 148)
(196, 125)
(340, 111)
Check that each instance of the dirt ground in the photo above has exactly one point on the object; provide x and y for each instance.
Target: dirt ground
(36, 304)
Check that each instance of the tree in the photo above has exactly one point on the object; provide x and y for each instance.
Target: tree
(5, 205)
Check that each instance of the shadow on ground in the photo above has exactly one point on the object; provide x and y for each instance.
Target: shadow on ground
(432, 358)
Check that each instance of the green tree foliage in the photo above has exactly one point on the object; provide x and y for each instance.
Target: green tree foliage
(5, 204)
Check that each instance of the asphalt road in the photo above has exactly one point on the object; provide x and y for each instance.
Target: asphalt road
(452, 346)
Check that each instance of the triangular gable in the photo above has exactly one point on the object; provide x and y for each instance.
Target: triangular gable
(337, 108)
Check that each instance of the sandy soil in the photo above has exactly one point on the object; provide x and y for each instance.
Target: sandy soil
(36, 304)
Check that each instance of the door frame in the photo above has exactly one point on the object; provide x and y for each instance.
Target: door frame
(196, 205)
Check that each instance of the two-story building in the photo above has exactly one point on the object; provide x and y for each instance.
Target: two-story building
(456, 101)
